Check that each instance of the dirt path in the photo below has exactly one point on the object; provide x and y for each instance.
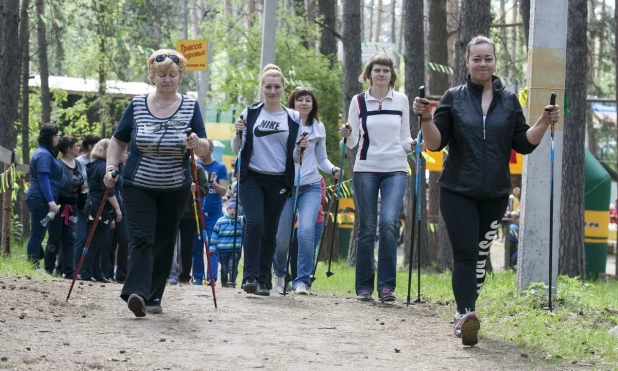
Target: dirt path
(95, 330)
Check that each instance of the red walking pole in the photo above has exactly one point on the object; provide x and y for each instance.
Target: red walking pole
(90, 234)
(203, 233)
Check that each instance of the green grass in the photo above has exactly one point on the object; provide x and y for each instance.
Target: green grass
(16, 264)
(576, 331)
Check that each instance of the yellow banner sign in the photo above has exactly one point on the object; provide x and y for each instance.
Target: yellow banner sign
(196, 53)
(596, 224)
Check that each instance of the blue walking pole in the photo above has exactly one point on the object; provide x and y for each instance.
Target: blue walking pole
(552, 101)
(236, 206)
(287, 264)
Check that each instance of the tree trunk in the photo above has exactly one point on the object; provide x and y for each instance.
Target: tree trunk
(328, 41)
(503, 67)
(616, 74)
(513, 69)
(299, 10)
(590, 137)
(57, 34)
(24, 41)
(43, 66)
(452, 24)
(248, 19)
(413, 11)
(371, 3)
(185, 16)
(474, 19)
(524, 8)
(437, 39)
(572, 257)
(351, 86)
(393, 21)
(102, 68)
(600, 63)
(400, 40)
(9, 92)
(378, 22)
(156, 24)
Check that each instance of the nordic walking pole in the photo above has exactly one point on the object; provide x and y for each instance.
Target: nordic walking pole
(337, 196)
(416, 205)
(552, 102)
(296, 196)
(237, 172)
(90, 234)
(317, 257)
(202, 224)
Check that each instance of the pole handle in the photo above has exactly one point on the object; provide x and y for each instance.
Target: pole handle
(421, 91)
(239, 133)
(552, 99)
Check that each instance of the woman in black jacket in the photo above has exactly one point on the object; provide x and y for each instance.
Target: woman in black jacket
(481, 122)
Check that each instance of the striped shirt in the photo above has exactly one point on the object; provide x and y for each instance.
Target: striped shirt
(222, 238)
(158, 158)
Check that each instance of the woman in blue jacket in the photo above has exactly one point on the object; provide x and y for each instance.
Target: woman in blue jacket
(481, 122)
(44, 189)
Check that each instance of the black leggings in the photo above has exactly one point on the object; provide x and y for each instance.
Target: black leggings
(263, 198)
(472, 224)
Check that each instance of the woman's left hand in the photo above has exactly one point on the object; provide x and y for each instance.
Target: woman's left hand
(551, 114)
(414, 142)
(336, 172)
(192, 141)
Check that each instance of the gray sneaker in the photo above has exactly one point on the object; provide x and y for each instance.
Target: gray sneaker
(137, 305)
(301, 290)
(279, 284)
(468, 329)
(154, 309)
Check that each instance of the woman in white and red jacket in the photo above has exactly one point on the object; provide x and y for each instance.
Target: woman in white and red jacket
(379, 123)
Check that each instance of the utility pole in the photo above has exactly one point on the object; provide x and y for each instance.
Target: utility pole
(268, 37)
(546, 74)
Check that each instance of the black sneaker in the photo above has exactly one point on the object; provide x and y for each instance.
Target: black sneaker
(250, 285)
(364, 295)
(262, 289)
(386, 295)
(137, 305)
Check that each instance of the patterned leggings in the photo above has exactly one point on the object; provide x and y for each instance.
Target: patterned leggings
(471, 224)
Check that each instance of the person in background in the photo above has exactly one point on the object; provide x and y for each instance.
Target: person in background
(94, 263)
(212, 206)
(44, 190)
(114, 262)
(62, 228)
(187, 241)
(514, 241)
(81, 228)
(222, 241)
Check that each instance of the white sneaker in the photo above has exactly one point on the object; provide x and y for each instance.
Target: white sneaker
(279, 283)
(301, 290)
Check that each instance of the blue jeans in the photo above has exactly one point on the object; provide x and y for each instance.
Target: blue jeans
(309, 199)
(229, 264)
(317, 235)
(198, 250)
(38, 209)
(392, 188)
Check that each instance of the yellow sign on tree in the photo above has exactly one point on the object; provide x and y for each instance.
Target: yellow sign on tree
(196, 53)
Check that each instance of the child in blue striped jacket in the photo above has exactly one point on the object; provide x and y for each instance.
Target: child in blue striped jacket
(222, 241)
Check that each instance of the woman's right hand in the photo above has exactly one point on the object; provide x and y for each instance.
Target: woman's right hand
(345, 130)
(239, 125)
(53, 207)
(421, 107)
(109, 181)
(118, 215)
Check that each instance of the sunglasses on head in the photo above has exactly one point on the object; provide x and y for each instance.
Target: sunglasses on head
(303, 88)
(161, 58)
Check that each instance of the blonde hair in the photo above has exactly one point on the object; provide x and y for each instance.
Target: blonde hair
(383, 60)
(271, 70)
(154, 66)
(99, 152)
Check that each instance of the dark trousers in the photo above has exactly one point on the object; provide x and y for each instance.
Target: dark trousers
(263, 198)
(188, 230)
(38, 208)
(60, 240)
(471, 225)
(154, 219)
(91, 267)
(116, 250)
(229, 264)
